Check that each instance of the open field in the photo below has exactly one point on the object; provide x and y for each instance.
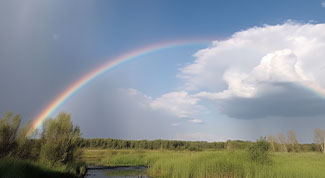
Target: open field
(183, 164)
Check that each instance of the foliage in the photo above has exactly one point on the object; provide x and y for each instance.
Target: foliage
(289, 143)
(259, 152)
(161, 144)
(275, 145)
(293, 145)
(59, 138)
(319, 138)
(9, 126)
(219, 164)
(20, 153)
(13, 139)
(27, 148)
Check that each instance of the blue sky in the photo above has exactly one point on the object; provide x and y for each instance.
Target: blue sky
(259, 71)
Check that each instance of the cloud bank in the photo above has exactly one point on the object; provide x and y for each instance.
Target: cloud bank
(273, 70)
(263, 71)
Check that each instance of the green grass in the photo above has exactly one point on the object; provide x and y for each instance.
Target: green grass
(206, 164)
(12, 168)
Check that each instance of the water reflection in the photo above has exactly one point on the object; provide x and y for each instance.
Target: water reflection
(117, 172)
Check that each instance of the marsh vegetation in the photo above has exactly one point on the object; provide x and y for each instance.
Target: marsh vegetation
(211, 163)
(59, 151)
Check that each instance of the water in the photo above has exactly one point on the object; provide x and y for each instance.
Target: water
(117, 172)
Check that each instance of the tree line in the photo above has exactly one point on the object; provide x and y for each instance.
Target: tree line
(149, 144)
(278, 143)
(59, 141)
(275, 146)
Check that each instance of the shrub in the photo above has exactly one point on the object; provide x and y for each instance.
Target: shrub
(259, 152)
(60, 139)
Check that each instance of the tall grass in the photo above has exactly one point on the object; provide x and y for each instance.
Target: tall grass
(206, 164)
(13, 167)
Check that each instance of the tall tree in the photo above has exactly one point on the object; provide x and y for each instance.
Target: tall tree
(60, 139)
(9, 126)
(283, 142)
(292, 141)
(273, 142)
(319, 138)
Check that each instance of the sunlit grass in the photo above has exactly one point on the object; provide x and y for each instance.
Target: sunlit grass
(223, 164)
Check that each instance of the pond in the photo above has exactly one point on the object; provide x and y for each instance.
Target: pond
(117, 172)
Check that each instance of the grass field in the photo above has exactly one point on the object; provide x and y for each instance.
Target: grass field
(17, 168)
(205, 164)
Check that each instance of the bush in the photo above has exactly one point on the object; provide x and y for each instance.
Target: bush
(194, 148)
(78, 169)
(60, 139)
(259, 152)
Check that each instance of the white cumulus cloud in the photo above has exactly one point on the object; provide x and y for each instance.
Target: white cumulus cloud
(180, 104)
(290, 52)
(177, 104)
(267, 67)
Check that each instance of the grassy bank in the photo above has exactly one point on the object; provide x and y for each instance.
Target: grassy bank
(13, 167)
(205, 164)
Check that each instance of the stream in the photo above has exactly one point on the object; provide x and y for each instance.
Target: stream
(116, 172)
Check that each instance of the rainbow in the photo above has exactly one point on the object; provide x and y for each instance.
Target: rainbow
(72, 89)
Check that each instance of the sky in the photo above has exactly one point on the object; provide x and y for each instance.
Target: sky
(247, 68)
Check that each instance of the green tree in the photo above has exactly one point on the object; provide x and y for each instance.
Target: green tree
(60, 140)
(14, 140)
(27, 148)
(9, 126)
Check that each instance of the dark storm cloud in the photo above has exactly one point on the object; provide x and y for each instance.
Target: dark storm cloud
(47, 45)
(290, 101)
(44, 47)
